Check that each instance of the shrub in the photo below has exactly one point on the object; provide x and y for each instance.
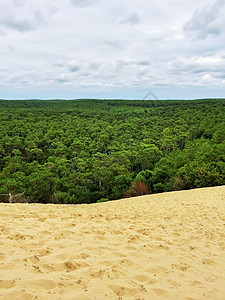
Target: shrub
(138, 188)
(103, 200)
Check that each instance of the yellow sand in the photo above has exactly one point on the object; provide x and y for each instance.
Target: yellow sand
(165, 246)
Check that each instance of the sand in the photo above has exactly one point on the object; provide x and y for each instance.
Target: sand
(164, 246)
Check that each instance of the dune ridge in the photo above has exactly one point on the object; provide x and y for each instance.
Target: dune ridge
(162, 246)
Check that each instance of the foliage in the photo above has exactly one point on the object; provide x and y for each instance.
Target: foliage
(102, 200)
(84, 151)
(138, 188)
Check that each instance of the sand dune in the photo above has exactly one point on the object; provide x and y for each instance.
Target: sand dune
(165, 246)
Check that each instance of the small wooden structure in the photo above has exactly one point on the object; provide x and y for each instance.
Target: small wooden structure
(10, 198)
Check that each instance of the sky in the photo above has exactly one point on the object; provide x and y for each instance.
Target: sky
(69, 49)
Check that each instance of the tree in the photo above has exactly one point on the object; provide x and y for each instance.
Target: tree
(162, 175)
(145, 177)
(137, 189)
(120, 186)
(40, 187)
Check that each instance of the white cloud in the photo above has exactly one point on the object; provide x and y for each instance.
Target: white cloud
(23, 16)
(207, 21)
(96, 48)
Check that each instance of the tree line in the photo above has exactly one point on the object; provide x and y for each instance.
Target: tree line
(84, 151)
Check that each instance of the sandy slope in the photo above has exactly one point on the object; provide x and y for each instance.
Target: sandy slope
(165, 246)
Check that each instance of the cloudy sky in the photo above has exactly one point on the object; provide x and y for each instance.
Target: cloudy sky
(112, 49)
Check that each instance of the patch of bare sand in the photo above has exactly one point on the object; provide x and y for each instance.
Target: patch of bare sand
(165, 246)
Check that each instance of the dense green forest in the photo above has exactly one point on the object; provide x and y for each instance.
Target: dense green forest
(83, 151)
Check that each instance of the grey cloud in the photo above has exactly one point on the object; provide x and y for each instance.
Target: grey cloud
(206, 22)
(94, 66)
(198, 67)
(19, 25)
(73, 66)
(74, 69)
(143, 63)
(179, 67)
(133, 19)
(58, 64)
(118, 44)
(18, 2)
(84, 68)
(22, 16)
(143, 72)
(220, 75)
(162, 85)
(61, 80)
(81, 3)
(199, 70)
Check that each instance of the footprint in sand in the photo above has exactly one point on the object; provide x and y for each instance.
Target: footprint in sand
(7, 266)
(42, 283)
(19, 295)
(116, 232)
(129, 248)
(81, 296)
(54, 267)
(67, 266)
(174, 283)
(121, 290)
(96, 273)
(209, 262)
(127, 262)
(33, 259)
(182, 267)
(106, 263)
(44, 252)
(141, 278)
(81, 256)
(161, 247)
(6, 284)
(99, 237)
(72, 266)
(45, 232)
(118, 254)
(17, 237)
(157, 270)
(161, 292)
(196, 283)
(62, 256)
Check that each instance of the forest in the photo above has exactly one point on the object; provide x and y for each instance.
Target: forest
(86, 151)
